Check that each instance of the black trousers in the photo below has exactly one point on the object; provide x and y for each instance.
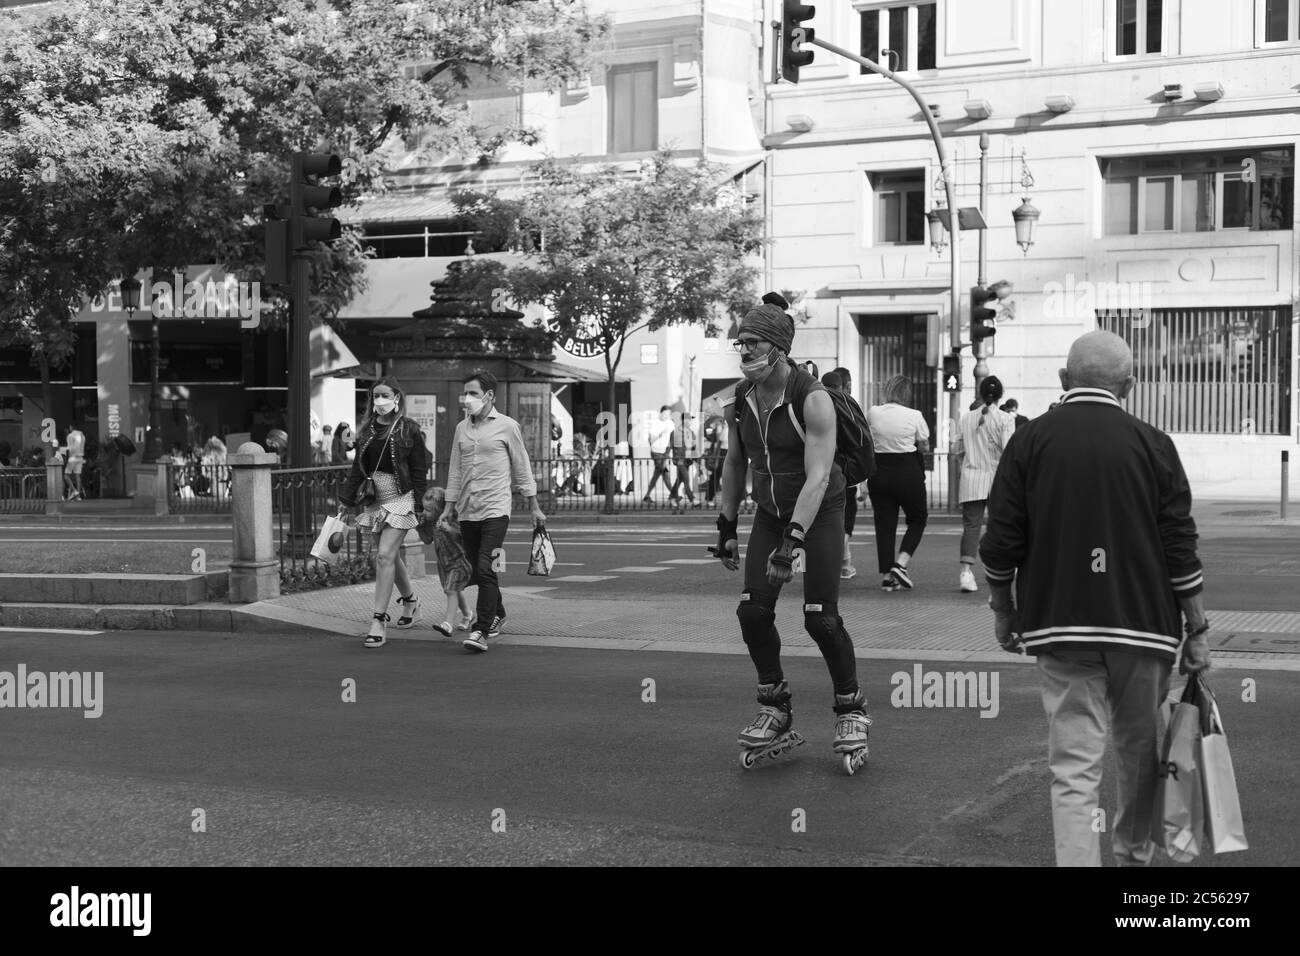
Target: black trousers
(484, 544)
(683, 479)
(823, 552)
(660, 460)
(899, 482)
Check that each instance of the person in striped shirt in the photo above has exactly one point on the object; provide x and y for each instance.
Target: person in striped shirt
(981, 436)
(1090, 521)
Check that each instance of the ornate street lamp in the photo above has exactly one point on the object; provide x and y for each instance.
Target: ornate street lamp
(1026, 214)
(130, 289)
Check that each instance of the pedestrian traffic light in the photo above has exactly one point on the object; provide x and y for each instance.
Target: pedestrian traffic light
(306, 195)
(952, 373)
(794, 38)
(982, 318)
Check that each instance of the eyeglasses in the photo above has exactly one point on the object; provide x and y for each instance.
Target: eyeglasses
(748, 345)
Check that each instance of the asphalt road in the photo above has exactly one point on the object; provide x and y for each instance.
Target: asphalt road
(557, 747)
(1246, 568)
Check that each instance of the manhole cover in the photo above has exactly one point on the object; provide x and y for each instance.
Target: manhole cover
(1246, 514)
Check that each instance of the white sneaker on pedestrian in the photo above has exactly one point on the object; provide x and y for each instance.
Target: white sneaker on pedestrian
(466, 622)
(967, 581)
(477, 641)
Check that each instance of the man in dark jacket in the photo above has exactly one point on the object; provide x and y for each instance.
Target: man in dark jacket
(1090, 519)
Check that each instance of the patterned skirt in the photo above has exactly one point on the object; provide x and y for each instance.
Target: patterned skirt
(392, 507)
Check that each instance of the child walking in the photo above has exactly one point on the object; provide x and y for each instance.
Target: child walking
(453, 563)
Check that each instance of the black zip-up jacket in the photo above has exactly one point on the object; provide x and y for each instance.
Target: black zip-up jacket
(410, 460)
(1090, 516)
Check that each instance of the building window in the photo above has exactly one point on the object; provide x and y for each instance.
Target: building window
(1199, 192)
(906, 31)
(1281, 18)
(650, 354)
(899, 207)
(1139, 26)
(633, 108)
(1209, 371)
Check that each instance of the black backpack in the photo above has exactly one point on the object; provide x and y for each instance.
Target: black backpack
(854, 452)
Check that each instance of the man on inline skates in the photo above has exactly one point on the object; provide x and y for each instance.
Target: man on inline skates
(783, 428)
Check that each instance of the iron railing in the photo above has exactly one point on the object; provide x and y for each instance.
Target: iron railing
(194, 487)
(22, 490)
(301, 500)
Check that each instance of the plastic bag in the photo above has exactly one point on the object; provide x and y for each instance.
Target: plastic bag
(329, 543)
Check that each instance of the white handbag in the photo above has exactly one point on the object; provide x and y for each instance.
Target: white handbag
(331, 540)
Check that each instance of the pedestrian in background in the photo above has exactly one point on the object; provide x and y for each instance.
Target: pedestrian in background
(76, 440)
(901, 438)
(661, 437)
(488, 458)
(982, 435)
(841, 379)
(714, 454)
(454, 569)
(1012, 408)
(342, 444)
(391, 453)
(1090, 520)
(683, 445)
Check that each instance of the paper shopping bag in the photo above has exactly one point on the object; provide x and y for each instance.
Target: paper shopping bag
(1223, 824)
(329, 543)
(542, 558)
(1178, 820)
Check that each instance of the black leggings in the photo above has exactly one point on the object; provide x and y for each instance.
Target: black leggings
(823, 551)
(899, 482)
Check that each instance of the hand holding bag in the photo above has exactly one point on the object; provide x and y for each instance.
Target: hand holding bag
(1224, 828)
(542, 558)
(1178, 820)
(329, 543)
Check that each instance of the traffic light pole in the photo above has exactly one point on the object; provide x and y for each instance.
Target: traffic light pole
(299, 395)
(955, 314)
(982, 366)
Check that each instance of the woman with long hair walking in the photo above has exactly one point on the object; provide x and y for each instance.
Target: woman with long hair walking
(982, 435)
(392, 462)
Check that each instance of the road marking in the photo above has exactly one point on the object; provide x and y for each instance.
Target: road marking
(51, 630)
(690, 561)
(638, 570)
(585, 578)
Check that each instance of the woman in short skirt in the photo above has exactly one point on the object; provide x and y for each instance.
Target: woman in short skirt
(390, 449)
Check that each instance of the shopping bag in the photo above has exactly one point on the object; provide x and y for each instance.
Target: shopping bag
(329, 543)
(1178, 820)
(542, 558)
(1224, 829)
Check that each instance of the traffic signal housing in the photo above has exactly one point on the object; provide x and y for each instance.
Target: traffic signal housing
(952, 373)
(794, 37)
(305, 195)
(982, 317)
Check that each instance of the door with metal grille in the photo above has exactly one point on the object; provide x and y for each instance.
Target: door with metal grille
(896, 345)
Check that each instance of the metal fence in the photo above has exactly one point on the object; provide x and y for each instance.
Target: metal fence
(579, 485)
(301, 500)
(22, 490)
(194, 487)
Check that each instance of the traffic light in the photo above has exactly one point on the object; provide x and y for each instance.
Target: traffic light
(982, 318)
(305, 195)
(795, 38)
(952, 373)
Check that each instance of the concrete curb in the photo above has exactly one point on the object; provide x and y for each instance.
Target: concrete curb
(107, 589)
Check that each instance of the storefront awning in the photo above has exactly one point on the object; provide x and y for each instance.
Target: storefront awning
(405, 206)
(558, 372)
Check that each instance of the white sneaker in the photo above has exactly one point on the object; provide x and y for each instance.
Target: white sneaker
(967, 581)
(466, 621)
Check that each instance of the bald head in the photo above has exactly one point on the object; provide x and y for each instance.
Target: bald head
(1099, 360)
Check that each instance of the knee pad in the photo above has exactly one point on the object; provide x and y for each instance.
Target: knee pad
(757, 613)
(823, 623)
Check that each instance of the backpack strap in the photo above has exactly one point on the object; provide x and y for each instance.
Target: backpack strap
(794, 420)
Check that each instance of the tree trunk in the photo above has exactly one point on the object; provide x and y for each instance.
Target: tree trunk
(47, 401)
(611, 446)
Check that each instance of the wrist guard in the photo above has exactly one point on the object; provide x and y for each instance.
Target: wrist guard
(727, 531)
(792, 539)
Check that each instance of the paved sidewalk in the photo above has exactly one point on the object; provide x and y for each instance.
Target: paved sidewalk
(881, 627)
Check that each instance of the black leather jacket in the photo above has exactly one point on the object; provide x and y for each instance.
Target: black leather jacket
(409, 457)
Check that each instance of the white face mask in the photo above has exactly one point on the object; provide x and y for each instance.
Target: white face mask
(759, 368)
(385, 405)
(473, 405)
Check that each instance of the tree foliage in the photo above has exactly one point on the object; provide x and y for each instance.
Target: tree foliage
(149, 133)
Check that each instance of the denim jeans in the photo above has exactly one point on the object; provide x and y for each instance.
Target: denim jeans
(484, 541)
(972, 521)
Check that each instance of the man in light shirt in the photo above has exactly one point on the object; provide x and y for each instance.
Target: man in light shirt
(661, 435)
(488, 457)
